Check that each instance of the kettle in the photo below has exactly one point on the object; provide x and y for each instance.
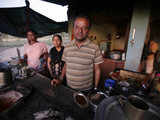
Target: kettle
(5, 77)
(135, 108)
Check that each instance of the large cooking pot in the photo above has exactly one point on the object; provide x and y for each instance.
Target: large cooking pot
(120, 107)
(135, 108)
(5, 77)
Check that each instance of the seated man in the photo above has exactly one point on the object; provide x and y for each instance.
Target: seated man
(35, 53)
(150, 56)
(151, 62)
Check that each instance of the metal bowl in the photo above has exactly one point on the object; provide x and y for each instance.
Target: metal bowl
(115, 56)
(81, 100)
(97, 97)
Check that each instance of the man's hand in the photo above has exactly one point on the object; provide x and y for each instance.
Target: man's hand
(55, 82)
(21, 61)
(44, 65)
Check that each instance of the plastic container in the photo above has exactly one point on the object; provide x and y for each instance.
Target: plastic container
(110, 83)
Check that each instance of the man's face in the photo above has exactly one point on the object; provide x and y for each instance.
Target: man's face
(81, 29)
(153, 46)
(31, 37)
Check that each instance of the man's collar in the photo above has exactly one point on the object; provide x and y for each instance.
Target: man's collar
(86, 42)
(33, 43)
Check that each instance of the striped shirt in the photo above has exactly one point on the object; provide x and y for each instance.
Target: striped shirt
(80, 64)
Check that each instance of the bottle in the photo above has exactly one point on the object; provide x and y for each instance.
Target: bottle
(123, 56)
(23, 69)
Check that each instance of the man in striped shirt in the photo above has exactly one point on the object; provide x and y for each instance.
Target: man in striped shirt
(82, 59)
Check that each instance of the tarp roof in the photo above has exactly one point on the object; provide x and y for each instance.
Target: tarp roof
(60, 2)
(16, 21)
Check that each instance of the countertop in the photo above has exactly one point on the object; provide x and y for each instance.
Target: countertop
(43, 96)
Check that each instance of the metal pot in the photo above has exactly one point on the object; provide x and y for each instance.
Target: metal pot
(115, 108)
(5, 77)
(115, 55)
(91, 99)
(135, 108)
(81, 100)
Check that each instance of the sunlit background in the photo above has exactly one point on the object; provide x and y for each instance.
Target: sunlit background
(53, 11)
(9, 44)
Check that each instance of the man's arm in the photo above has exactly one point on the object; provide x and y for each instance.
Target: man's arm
(44, 54)
(25, 56)
(98, 59)
(97, 74)
(24, 60)
(45, 57)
